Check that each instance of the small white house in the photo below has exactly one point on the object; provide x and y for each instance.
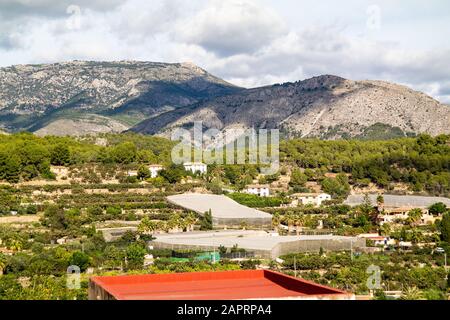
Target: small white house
(196, 167)
(315, 199)
(260, 190)
(377, 239)
(155, 169)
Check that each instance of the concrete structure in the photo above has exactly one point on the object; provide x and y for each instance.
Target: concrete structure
(225, 212)
(377, 239)
(394, 201)
(315, 199)
(259, 190)
(113, 234)
(224, 285)
(262, 244)
(196, 167)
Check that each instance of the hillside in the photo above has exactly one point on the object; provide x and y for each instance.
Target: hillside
(327, 107)
(33, 97)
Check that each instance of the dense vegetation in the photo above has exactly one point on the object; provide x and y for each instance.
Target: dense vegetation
(98, 193)
(420, 269)
(25, 156)
(422, 162)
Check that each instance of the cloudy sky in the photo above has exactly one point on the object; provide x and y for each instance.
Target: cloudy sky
(247, 42)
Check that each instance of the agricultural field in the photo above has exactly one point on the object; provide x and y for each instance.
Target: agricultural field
(58, 194)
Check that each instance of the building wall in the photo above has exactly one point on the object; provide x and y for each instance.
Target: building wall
(98, 293)
(221, 223)
(299, 246)
(315, 245)
(154, 171)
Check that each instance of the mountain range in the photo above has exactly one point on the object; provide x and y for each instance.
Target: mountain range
(153, 98)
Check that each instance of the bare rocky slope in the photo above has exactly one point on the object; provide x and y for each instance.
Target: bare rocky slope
(327, 107)
(99, 96)
(83, 97)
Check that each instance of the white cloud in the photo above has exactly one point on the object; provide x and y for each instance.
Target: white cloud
(231, 27)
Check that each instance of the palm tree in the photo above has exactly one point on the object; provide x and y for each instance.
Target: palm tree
(414, 216)
(191, 220)
(385, 229)
(147, 226)
(276, 220)
(289, 218)
(416, 235)
(15, 245)
(299, 221)
(380, 202)
(174, 222)
(411, 293)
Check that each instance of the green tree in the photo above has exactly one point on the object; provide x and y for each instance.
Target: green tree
(12, 169)
(124, 153)
(60, 155)
(143, 172)
(438, 208)
(147, 226)
(337, 187)
(135, 254)
(298, 179)
(411, 293)
(380, 201)
(207, 221)
(173, 174)
(289, 219)
(444, 227)
(414, 216)
(95, 211)
(80, 259)
(276, 220)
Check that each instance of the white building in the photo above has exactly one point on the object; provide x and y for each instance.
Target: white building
(315, 199)
(196, 167)
(377, 239)
(155, 169)
(260, 190)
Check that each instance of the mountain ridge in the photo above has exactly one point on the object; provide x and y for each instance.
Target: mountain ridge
(327, 107)
(33, 96)
(83, 97)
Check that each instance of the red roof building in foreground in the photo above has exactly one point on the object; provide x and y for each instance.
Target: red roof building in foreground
(224, 285)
